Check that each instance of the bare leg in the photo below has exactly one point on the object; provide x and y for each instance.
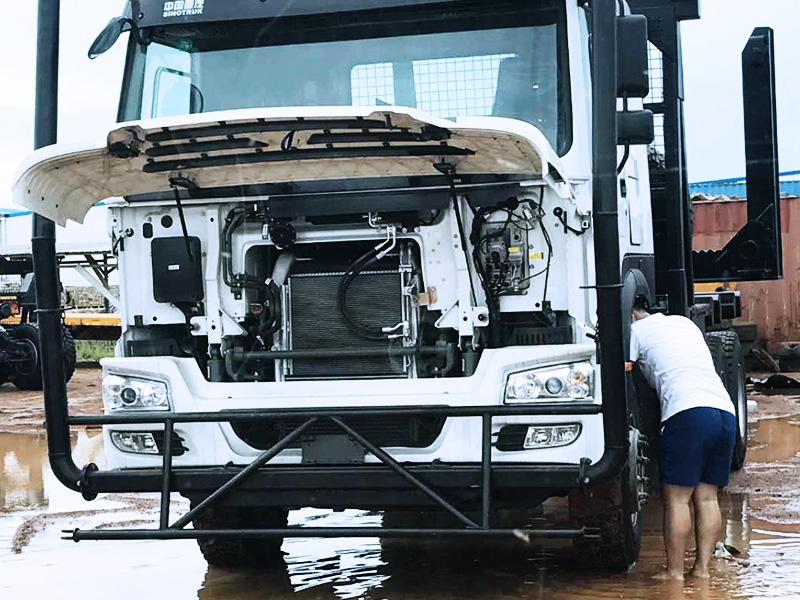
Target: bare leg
(677, 526)
(708, 526)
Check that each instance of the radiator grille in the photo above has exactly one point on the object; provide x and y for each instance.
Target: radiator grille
(374, 299)
(395, 431)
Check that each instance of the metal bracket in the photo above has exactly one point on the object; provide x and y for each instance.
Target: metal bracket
(86, 488)
(584, 464)
(403, 328)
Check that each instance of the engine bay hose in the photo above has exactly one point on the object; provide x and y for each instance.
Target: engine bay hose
(362, 264)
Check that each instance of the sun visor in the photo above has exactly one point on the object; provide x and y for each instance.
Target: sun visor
(241, 148)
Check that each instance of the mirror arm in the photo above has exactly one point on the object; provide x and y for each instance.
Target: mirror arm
(627, 153)
(130, 25)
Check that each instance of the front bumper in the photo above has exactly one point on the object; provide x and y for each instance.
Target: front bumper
(469, 489)
(213, 440)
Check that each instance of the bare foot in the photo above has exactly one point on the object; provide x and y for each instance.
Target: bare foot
(669, 576)
(699, 573)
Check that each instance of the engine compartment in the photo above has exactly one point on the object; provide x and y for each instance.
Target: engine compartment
(264, 295)
(337, 310)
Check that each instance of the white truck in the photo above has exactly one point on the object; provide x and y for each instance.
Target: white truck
(381, 254)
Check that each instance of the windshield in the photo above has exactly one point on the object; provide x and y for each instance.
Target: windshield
(508, 63)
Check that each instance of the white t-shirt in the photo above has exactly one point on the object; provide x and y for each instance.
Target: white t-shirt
(675, 360)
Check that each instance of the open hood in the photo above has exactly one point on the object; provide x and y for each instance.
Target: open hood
(216, 150)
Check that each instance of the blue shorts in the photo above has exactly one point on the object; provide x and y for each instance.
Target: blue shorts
(697, 447)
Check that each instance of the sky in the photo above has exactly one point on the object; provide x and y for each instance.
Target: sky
(712, 65)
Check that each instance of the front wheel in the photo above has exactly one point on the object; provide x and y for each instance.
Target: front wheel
(614, 509)
(240, 552)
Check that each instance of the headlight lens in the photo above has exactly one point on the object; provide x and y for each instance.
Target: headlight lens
(574, 381)
(130, 393)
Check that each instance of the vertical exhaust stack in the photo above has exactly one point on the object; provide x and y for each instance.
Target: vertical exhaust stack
(607, 259)
(45, 267)
(756, 252)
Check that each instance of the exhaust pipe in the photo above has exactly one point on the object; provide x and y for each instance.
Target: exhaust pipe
(606, 247)
(45, 266)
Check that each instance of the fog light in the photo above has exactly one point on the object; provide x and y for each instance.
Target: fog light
(551, 436)
(136, 442)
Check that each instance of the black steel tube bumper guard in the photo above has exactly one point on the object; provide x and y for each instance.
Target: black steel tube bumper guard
(428, 479)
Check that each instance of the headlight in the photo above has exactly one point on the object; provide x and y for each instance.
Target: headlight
(129, 393)
(574, 382)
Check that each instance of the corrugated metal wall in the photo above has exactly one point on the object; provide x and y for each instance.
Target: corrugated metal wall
(774, 305)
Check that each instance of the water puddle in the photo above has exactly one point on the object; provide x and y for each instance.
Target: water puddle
(365, 568)
(775, 439)
(21, 472)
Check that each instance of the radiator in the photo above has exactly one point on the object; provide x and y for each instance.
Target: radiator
(374, 299)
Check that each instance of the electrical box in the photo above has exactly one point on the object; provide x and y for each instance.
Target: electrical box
(177, 270)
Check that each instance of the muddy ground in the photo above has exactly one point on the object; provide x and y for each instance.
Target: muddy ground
(761, 511)
(23, 412)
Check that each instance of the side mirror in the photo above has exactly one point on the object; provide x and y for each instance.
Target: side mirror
(108, 37)
(633, 77)
(635, 128)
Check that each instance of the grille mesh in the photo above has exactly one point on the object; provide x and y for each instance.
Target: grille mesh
(374, 299)
(397, 431)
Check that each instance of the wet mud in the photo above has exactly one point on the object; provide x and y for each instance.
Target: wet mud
(761, 521)
(23, 411)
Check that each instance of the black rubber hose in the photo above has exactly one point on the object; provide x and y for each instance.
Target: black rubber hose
(233, 221)
(361, 330)
(491, 300)
(273, 322)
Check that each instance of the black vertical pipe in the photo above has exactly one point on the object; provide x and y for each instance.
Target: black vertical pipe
(688, 218)
(169, 427)
(486, 471)
(761, 143)
(45, 267)
(761, 125)
(678, 231)
(606, 241)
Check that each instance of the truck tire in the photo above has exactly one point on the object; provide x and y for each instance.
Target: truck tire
(615, 509)
(70, 353)
(31, 379)
(634, 283)
(730, 366)
(239, 552)
(27, 375)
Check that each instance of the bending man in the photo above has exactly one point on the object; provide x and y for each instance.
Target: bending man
(697, 431)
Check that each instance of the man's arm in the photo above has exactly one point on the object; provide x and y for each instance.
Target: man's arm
(634, 350)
